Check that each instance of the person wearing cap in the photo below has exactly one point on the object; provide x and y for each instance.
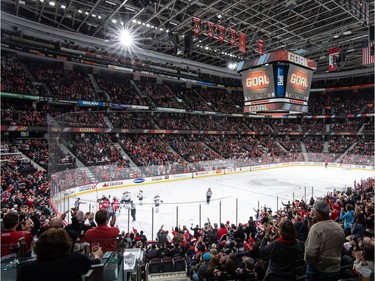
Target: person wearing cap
(323, 245)
(202, 271)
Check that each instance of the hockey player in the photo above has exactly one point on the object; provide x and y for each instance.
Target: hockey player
(116, 204)
(126, 198)
(140, 197)
(157, 202)
(208, 195)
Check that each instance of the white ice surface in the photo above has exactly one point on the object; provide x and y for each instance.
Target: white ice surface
(184, 201)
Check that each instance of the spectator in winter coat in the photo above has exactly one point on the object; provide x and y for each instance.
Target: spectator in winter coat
(323, 245)
(283, 252)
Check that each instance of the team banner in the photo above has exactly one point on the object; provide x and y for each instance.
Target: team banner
(210, 29)
(221, 33)
(232, 33)
(260, 47)
(333, 58)
(196, 26)
(242, 42)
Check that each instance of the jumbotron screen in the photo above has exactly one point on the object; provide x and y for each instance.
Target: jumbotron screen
(298, 83)
(258, 83)
(277, 83)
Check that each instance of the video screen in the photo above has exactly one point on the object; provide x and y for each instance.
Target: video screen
(298, 83)
(276, 107)
(258, 83)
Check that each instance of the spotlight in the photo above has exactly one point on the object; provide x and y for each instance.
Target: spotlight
(126, 38)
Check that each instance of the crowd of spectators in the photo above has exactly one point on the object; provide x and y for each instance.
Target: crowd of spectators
(36, 150)
(191, 149)
(339, 144)
(193, 100)
(63, 83)
(13, 77)
(160, 94)
(313, 125)
(149, 150)
(22, 115)
(119, 88)
(83, 119)
(132, 120)
(220, 100)
(345, 125)
(95, 149)
(291, 143)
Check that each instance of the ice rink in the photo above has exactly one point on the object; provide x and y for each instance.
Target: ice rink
(234, 196)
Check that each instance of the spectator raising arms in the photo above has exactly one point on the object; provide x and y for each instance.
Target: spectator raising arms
(104, 234)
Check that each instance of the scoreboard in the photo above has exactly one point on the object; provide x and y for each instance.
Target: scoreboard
(278, 82)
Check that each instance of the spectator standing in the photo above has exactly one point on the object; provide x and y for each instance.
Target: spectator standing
(78, 225)
(9, 234)
(103, 233)
(323, 245)
(348, 217)
(283, 252)
(208, 195)
(162, 237)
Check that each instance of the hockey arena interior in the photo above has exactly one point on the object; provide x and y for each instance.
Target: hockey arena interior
(187, 140)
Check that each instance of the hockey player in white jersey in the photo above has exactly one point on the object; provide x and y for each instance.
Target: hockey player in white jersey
(140, 197)
(126, 198)
(157, 202)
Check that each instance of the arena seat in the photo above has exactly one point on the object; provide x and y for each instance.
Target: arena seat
(154, 266)
(167, 265)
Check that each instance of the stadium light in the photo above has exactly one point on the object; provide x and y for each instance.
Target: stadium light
(126, 37)
(232, 66)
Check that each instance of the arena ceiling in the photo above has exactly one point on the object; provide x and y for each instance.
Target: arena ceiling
(309, 28)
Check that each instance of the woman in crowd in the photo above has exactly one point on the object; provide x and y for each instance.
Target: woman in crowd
(348, 218)
(283, 252)
(55, 261)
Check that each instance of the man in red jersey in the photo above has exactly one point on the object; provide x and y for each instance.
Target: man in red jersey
(9, 234)
(104, 234)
